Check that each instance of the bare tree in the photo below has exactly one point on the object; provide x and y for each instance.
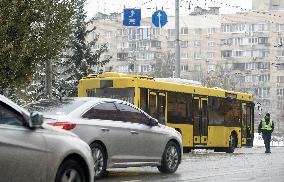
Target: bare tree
(164, 66)
(223, 78)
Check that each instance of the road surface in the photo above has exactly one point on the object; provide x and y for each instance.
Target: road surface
(246, 164)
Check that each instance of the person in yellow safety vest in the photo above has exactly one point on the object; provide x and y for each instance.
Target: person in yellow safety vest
(266, 127)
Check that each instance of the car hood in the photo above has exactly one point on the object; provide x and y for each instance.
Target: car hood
(57, 131)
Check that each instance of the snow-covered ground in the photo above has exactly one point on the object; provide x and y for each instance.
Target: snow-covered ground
(275, 141)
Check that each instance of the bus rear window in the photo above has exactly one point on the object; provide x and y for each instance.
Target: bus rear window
(126, 94)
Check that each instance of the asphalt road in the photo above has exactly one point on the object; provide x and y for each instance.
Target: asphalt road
(246, 164)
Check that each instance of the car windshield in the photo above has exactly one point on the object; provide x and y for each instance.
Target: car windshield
(57, 106)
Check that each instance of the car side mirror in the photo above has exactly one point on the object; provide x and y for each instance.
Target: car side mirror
(153, 122)
(36, 120)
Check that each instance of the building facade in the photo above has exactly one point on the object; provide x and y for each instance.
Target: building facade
(240, 51)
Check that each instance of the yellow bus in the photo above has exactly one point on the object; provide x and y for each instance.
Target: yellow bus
(207, 118)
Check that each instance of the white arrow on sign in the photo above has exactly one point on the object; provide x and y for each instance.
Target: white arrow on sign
(132, 13)
(159, 17)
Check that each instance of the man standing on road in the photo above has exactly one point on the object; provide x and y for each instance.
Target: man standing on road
(266, 127)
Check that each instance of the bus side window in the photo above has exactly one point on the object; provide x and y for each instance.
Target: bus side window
(216, 111)
(177, 108)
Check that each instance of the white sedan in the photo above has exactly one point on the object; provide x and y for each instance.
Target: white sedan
(119, 134)
(30, 151)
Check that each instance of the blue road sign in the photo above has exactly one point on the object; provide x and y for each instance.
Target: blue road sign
(159, 18)
(131, 17)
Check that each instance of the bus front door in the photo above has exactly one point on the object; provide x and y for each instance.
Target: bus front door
(157, 106)
(200, 121)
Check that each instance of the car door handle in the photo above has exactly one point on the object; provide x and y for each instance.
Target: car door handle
(134, 132)
(104, 129)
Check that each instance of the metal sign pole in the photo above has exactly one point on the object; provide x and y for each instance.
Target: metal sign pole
(177, 52)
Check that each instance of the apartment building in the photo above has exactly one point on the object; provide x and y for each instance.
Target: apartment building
(251, 46)
(244, 50)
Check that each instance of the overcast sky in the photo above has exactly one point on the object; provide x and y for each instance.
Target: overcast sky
(149, 6)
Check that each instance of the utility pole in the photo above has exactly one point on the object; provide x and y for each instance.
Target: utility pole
(177, 52)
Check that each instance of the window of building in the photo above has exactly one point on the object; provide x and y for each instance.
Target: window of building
(263, 40)
(197, 31)
(264, 65)
(183, 55)
(184, 30)
(197, 43)
(210, 43)
(264, 78)
(227, 53)
(210, 55)
(263, 92)
(156, 32)
(280, 105)
(184, 67)
(238, 53)
(281, 41)
(132, 34)
(264, 53)
(280, 79)
(171, 32)
(122, 56)
(184, 44)
(122, 32)
(197, 68)
(156, 44)
(210, 30)
(132, 46)
(253, 40)
(280, 92)
(145, 68)
(252, 28)
(238, 41)
(280, 53)
(263, 27)
(197, 54)
(281, 27)
(210, 67)
(122, 69)
(227, 66)
(227, 42)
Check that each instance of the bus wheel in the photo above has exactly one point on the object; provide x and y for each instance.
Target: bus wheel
(232, 143)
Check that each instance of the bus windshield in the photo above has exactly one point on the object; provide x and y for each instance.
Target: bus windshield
(126, 94)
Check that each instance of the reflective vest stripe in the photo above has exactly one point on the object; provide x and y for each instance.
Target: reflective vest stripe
(265, 126)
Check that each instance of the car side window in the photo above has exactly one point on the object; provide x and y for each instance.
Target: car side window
(131, 114)
(104, 111)
(8, 116)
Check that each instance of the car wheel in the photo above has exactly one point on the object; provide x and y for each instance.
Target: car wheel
(232, 143)
(70, 171)
(99, 156)
(170, 159)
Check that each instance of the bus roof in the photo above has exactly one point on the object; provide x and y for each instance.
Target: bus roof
(172, 84)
